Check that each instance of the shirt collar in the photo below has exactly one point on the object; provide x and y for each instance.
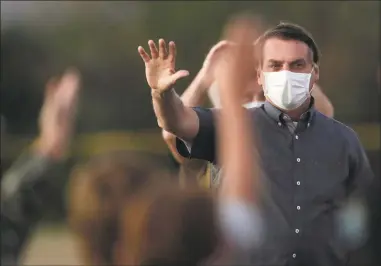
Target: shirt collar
(278, 115)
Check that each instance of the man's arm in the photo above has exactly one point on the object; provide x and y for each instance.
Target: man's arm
(322, 103)
(23, 193)
(362, 189)
(194, 95)
(172, 115)
(237, 149)
(203, 145)
(27, 186)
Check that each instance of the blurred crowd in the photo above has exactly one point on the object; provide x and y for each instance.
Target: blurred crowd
(265, 177)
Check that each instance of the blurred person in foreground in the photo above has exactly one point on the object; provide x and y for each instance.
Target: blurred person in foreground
(125, 211)
(99, 192)
(207, 174)
(315, 174)
(27, 186)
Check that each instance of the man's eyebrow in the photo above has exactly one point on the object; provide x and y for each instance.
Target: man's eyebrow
(275, 61)
(300, 60)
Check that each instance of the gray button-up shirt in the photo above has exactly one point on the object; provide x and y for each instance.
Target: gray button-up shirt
(310, 173)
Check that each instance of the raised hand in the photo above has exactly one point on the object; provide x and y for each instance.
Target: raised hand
(160, 67)
(236, 68)
(208, 68)
(57, 114)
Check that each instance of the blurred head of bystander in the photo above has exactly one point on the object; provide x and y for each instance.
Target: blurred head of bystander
(98, 192)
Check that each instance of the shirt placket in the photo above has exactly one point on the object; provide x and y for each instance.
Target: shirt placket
(298, 183)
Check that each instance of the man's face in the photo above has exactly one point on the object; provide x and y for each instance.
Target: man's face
(291, 55)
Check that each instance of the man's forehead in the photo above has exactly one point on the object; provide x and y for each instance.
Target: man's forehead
(285, 50)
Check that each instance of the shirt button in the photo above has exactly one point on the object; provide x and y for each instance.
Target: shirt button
(308, 125)
(298, 183)
(298, 208)
(296, 137)
(297, 231)
(279, 124)
(298, 160)
(294, 255)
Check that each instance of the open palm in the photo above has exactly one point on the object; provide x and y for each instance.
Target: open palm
(160, 67)
(58, 111)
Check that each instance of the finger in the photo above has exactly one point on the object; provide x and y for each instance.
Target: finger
(72, 73)
(216, 48)
(68, 88)
(221, 45)
(71, 78)
(152, 47)
(178, 75)
(51, 86)
(143, 54)
(172, 52)
(242, 30)
(162, 49)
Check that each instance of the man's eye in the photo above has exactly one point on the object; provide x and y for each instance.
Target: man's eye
(297, 66)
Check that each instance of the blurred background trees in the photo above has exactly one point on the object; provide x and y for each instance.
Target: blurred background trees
(39, 39)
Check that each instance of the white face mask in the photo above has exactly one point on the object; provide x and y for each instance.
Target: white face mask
(287, 90)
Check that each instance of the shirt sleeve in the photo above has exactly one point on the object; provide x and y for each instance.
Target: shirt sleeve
(23, 193)
(354, 216)
(203, 145)
(361, 177)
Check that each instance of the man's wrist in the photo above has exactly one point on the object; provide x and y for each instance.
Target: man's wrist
(53, 150)
(161, 94)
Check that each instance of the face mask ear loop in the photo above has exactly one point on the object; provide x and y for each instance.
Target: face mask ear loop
(312, 70)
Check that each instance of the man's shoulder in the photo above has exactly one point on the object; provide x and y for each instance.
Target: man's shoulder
(339, 128)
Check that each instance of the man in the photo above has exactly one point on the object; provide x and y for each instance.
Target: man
(314, 169)
(207, 174)
(27, 186)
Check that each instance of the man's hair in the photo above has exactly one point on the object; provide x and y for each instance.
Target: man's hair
(98, 191)
(289, 31)
(180, 228)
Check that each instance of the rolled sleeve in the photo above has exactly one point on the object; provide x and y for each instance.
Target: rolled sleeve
(203, 145)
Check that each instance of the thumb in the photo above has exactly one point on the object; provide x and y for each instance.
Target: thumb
(178, 75)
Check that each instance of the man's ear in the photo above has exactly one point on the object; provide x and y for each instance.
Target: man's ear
(259, 76)
(316, 73)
